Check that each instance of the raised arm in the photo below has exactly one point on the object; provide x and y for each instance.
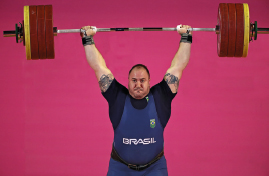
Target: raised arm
(180, 60)
(96, 60)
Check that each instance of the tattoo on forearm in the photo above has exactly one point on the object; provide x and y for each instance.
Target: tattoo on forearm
(171, 79)
(105, 82)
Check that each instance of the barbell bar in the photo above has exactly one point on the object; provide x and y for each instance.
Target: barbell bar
(234, 31)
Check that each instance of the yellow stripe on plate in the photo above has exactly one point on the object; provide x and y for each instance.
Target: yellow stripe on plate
(246, 31)
(27, 32)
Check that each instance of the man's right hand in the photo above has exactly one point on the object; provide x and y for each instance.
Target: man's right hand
(181, 29)
(90, 30)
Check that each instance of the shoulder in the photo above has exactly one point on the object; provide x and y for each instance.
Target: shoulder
(114, 90)
(172, 81)
(163, 90)
(105, 81)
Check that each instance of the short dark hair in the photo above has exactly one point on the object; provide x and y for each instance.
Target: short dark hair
(140, 66)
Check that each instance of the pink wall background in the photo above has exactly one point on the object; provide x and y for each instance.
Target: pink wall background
(54, 120)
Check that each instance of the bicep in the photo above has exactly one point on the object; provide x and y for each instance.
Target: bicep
(105, 78)
(172, 78)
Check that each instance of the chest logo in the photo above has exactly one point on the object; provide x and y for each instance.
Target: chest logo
(147, 98)
(139, 141)
(152, 123)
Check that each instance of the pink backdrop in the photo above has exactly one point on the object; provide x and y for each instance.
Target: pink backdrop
(54, 120)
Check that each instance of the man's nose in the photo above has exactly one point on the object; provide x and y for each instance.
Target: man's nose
(140, 85)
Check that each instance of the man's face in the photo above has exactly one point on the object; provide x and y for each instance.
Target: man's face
(138, 83)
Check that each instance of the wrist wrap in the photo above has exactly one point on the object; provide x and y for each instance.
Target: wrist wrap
(87, 40)
(186, 38)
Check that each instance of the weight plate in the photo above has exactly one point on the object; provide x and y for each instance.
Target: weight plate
(222, 37)
(239, 44)
(41, 32)
(232, 29)
(246, 29)
(33, 32)
(27, 33)
(49, 32)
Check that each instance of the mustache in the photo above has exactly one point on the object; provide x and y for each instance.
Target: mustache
(138, 88)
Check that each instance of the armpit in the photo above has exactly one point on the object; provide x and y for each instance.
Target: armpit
(105, 81)
(172, 81)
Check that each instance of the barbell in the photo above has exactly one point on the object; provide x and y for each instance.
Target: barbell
(234, 31)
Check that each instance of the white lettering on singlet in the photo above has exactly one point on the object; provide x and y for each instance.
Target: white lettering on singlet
(138, 141)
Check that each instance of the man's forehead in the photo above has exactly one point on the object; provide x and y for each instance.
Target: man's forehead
(137, 71)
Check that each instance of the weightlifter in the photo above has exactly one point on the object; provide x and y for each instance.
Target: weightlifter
(138, 114)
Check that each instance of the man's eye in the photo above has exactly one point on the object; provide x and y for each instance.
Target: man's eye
(142, 81)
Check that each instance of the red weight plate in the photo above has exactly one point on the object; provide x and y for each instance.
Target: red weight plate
(239, 44)
(33, 32)
(49, 32)
(41, 32)
(232, 29)
(222, 37)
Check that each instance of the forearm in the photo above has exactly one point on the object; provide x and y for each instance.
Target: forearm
(94, 58)
(182, 57)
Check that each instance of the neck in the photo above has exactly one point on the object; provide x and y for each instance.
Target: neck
(138, 97)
